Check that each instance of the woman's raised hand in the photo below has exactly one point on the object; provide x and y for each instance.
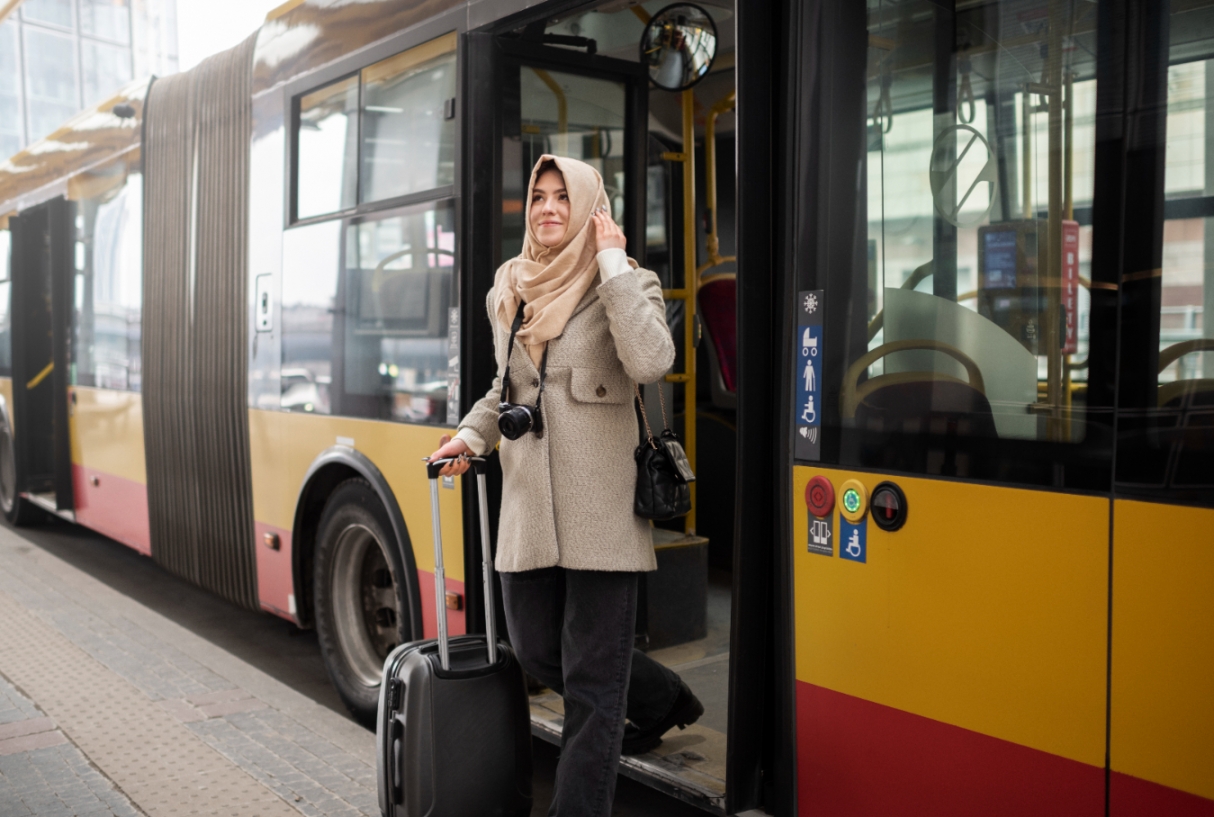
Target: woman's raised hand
(448, 449)
(607, 234)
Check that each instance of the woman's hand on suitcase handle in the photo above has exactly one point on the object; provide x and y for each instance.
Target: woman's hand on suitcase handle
(451, 449)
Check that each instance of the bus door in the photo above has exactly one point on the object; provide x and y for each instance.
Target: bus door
(949, 355)
(573, 85)
(528, 96)
(43, 267)
(1161, 727)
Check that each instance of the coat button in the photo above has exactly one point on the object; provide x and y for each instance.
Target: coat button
(600, 391)
(535, 384)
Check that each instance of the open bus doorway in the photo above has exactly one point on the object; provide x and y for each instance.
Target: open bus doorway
(43, 268)
(574, 85)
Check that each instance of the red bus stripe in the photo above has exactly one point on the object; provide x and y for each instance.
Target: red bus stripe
(859, 758)
(115, 506)
(1134, 797)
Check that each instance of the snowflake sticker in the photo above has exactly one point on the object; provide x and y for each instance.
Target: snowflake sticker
(811, 303)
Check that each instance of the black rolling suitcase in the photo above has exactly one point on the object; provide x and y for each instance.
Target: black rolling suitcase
(454, 729)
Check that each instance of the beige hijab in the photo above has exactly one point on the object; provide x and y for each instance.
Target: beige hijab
(552, 280)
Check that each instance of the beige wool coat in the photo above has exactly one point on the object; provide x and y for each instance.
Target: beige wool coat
(567, 496)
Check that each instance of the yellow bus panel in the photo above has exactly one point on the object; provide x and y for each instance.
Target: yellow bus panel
(109, 480)
(1162, 726)
(987, 610)
(283, 445)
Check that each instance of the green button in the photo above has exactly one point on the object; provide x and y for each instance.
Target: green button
(851, 500)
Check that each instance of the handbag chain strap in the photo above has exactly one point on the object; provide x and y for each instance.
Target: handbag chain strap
(645, 415)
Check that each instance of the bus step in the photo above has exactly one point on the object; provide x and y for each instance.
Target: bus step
(688, 765)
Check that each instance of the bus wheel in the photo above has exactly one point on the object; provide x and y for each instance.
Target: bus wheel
(16, 510)
(359, 595)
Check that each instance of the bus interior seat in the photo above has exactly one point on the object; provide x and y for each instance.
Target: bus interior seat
(1190, 393)
(1009, 369)
(718, 300)
(925, 402)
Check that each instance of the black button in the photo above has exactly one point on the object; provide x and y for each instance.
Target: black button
(888, 506)
(601, 391)
(535, 384)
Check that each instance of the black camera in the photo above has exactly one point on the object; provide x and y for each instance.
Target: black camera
(514, 420)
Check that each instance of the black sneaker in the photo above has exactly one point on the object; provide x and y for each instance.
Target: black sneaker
(686, 710)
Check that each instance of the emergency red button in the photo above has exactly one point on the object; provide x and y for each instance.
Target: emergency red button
(820, 496)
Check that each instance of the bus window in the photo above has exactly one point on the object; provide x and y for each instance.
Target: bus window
(399, 282)
(1166, 418)
(964, 315)
(408, 122)
(311, 256)
(1185, 347)
(366, 297)
(365, 310)
(325, 151)
(107, 320)
(400, 142)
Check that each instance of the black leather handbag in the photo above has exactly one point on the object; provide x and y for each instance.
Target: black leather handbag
(664, 475)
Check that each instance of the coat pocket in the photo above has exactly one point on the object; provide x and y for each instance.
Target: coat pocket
(589, 385)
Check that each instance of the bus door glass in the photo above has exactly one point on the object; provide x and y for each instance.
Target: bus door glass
(570, 101)
(1161, 742)
(951, 590)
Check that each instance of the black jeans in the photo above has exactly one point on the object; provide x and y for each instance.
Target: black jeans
(573, 631)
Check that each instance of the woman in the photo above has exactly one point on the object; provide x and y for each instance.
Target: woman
(590, 326)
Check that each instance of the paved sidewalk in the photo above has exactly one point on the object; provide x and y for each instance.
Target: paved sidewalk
(109, 708)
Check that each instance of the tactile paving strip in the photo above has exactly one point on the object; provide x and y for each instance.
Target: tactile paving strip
(158, 762)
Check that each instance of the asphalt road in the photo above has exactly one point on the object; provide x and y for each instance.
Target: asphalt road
(276, 647)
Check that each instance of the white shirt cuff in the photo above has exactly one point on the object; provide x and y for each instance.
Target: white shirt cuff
(612, 262)
(472, 440)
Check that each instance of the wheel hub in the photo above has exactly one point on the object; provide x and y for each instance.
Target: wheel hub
(363, 590)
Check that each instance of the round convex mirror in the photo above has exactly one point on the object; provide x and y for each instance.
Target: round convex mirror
(678, 46)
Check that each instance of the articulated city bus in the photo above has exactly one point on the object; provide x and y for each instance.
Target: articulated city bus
(940, 273)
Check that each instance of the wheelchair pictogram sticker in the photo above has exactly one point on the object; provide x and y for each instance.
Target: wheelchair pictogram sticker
(853, 540)
(955, 180)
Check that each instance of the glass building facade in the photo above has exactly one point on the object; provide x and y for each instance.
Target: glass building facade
(59, 56)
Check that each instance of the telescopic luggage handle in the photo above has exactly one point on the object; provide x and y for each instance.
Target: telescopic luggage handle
(433, 471)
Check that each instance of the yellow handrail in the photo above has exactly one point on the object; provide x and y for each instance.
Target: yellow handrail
(722, 105)
(688, 292)
(38, 378)
(562, 109)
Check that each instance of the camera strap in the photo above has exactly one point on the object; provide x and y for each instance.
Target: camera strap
(518, 323)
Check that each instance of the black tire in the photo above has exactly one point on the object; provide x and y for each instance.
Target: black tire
(359, 595)
(19, 512)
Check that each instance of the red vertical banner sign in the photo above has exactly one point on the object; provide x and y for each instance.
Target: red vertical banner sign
(1070, 286)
